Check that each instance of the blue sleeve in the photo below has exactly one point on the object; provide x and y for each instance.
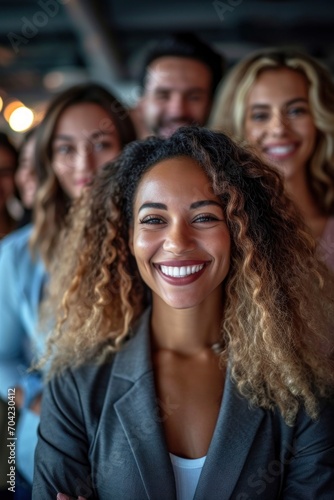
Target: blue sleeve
(13, 361)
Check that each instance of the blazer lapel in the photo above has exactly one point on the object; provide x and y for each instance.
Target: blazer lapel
(235, 432)
(138, 413)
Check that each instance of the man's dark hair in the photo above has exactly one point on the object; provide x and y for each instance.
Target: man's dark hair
(186, 45)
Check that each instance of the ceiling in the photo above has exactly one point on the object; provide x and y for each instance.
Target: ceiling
(46, 45)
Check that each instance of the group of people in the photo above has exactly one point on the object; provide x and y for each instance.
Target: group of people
(174, 294)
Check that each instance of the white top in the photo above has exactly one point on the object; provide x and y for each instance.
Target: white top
(186, 472)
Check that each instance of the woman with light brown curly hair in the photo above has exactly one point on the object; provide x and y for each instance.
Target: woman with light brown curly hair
(282, 103)
(83, 128)
(190, 303)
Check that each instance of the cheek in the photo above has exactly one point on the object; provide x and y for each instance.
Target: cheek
(59, 167)
(142, 244)
(153, 108)
(310, 133)
(252, 132)
(145, 246)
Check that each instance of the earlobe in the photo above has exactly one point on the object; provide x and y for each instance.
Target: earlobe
(130, 240)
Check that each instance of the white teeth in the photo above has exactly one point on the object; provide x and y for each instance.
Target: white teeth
(180, 272)
(280, 150)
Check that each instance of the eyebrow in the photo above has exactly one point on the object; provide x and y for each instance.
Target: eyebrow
(94, 135)
(196, 204)
(171, 89)
(292, 101)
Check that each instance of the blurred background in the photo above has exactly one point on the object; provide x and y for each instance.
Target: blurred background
(47, 45)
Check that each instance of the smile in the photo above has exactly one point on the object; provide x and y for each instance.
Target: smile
(180, 272)
(280, 150)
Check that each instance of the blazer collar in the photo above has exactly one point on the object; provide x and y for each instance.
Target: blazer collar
(138, 411)
(235, 431)
(134, 359)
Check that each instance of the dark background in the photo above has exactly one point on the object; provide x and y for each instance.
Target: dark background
(46, 45)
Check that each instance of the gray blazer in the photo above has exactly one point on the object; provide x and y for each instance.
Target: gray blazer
(101, 436)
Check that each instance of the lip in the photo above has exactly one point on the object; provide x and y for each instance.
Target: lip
(83, 182)
(182, 280)
(280, 151)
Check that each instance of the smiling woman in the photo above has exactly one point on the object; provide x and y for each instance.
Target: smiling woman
(83, 128)
(185, 353)
(183, 239)
(281, 102)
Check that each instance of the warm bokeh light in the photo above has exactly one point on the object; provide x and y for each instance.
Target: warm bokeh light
(1, 103)
(21, 119)
(12, 106)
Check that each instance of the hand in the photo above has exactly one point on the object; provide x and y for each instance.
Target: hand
(35, 405)
(19, 397)
(62, 496)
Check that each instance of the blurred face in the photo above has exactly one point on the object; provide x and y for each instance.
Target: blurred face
(279, 122)
(177, 92)
(179, 237)
(25, 178)
(84, 139)
(7, 168)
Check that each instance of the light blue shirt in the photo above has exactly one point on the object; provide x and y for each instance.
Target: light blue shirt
(21, 285)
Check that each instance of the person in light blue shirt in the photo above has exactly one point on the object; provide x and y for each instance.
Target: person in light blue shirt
(84, 127)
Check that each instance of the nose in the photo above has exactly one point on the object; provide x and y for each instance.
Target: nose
(278, 124)
(177, 105)
(179, 238)
(83, 160)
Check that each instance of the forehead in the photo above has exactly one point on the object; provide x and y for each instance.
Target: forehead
(174, 72)
(82, 118)
(175, 179)
(282, 83)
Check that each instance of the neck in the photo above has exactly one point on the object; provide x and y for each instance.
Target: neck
(186, 331)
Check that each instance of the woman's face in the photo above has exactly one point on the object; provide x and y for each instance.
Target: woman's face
(179, 237)
(25, 178)
(84, 139)
(279, 121)
(7, 169)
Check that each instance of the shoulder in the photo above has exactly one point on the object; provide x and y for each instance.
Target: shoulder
(15, 248)
(19, 270)
(16, 244)
(117, 373)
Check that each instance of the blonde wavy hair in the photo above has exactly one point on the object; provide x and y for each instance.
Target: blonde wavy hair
(228, 114)
(278, 304)
(52, 203)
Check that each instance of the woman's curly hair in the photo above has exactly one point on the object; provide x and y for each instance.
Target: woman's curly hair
(230, 106)
(278, 301)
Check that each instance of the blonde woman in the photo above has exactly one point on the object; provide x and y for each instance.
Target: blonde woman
(282, 103)
(84, 127)
(184, 353)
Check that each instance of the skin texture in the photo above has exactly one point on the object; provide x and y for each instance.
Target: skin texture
(177, 92)
(186, 311)
(280, 125)
(25, 177)
(180, 233)
(84, 139)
